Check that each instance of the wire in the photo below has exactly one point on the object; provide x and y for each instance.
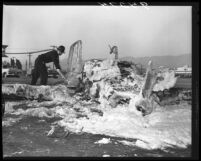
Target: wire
(21, 48)
(32, 52)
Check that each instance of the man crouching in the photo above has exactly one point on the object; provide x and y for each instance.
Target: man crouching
(40, 69)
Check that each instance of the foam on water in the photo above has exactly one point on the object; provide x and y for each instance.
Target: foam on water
(166, 127)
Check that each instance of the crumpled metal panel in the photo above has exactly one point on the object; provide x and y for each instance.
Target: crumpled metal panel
(74, 63)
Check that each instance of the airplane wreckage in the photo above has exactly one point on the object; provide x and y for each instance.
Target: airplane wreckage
(95, 89)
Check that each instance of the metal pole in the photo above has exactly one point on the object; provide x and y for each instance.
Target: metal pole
(26, 66)
(29, 61)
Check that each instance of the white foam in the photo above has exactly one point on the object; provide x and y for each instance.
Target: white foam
(168, 82)
(125, 142)
(165, 127)
(106, 155)
(103, 141)
(10, 121)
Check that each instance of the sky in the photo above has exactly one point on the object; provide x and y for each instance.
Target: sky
(138, 32)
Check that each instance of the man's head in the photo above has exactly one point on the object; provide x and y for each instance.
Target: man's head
(61, 50)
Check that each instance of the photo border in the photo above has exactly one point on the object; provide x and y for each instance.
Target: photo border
(195, 74)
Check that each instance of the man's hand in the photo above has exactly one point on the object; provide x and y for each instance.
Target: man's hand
(63, 77)
(61, 74)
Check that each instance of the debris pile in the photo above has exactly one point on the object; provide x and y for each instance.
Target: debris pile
(120, 84)
(102, 81)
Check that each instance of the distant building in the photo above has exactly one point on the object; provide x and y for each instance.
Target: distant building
(4, 50)
(184, 71)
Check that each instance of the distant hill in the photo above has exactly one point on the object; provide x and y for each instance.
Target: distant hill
(166, 61)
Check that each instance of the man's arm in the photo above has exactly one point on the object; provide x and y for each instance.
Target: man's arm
(61, 74)
(57, 65)
(55, 58)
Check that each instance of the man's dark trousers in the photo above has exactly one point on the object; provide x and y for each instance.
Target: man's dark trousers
(40, 70)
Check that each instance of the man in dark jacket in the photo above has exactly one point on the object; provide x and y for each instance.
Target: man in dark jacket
(40, 69)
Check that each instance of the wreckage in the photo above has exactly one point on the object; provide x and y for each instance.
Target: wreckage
(74, 64)
(96, 86)
(111, 84)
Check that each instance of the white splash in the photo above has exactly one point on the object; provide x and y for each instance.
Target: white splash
(103, 141)
(169, 80)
